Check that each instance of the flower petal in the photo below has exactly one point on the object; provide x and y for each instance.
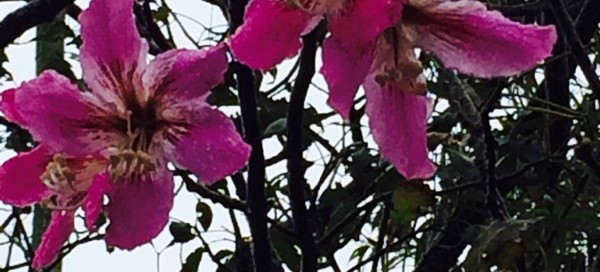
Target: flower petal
(113, 54)
(211, 148)
(475, 41)
(7, 105)
(56, 114)
(59, 230)
(343, 81)
(270, 33)
(94, 201)
(398, 121)
(139, 208)
(185, 74)
(20, 182)
(348, 52)
(364, 20)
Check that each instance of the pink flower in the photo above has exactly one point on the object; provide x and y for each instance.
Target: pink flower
(465, 36)
(134, 118)
(56, 182)
(370, 45)
(272, 29)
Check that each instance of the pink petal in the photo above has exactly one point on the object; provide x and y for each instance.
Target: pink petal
(344, 69)
(398, 121)
(186, 74)
(56, 114)
(139, 208)
(211, 148)
(270, 33)
(7, 105)
(364, 20)
(94, 201)
(467, 37)
(61, 226)
(348, 52)
(20, 182)
(113, 54)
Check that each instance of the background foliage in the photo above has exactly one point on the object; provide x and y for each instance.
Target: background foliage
(518, 161)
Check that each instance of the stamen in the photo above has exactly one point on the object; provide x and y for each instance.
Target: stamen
(129, 131)
(58, 175)
(126, 163)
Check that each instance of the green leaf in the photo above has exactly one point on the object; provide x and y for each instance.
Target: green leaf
(499, 244)
(359, 252)
(182, 232)
(161, 14)
(3, 72)
(286, 250)
(192, 262)
(409, 201)
(275, 128)
(205, 215)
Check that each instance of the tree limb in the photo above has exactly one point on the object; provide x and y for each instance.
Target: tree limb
(31, 15)
(256, 195)
(304, 228)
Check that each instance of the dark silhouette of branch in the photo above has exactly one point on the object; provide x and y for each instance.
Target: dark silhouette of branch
(256, 196)
(470, 212)
(205, 192)
(567, 26)
(31, 15)
(393, 246)
(302, 224)
(521, 9)
(336, 230)
(382, 233)
(150, 30)
(14, 267)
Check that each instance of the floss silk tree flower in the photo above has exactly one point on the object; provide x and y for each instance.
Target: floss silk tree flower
(372, 44)
(116, 137)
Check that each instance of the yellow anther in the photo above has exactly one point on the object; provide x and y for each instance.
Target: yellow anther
(126, 163)
(58, 174)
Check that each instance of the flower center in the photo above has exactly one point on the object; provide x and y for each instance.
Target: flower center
(124, 164)
(404, 71)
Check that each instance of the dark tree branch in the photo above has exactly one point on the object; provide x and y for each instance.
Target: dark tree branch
(521, 9)
(393, 246)
(555, 89)
(31, 15)
(303, 225)
(382, 233)
(567, 26)
(145, 15)
(495, 200)
(335, 231)
(256, 196)
(443, 254)
(205, 192)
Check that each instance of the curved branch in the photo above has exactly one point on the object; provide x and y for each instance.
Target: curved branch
(31, 15)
